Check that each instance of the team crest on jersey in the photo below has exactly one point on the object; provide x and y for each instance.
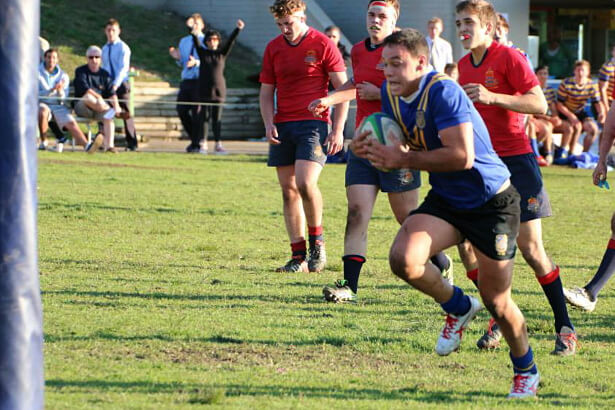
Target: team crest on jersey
(420, 119)
(490, 81)
(501, 244)
(310, 57)
(533, 204)
(380, 65)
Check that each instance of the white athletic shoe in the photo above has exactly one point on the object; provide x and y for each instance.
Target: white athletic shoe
(579, 297)
(524, 386)
(452, 332)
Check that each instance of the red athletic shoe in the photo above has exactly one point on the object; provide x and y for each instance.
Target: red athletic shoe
(542, 161)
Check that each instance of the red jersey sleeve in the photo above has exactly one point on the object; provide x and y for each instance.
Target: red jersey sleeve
(267, 75)
(519, 73)
(333, 61)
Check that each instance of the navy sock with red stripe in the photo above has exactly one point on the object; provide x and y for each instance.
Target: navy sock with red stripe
(315, 234)
(552, 286)
(605, 271)
(299, 250)
(352, 270)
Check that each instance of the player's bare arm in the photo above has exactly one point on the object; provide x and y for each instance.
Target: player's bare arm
(606, 143)
(335, 140)
(368, 91)
(346, 92)
(266, 105)
(572, 118)
(456, 154)
(532, 102)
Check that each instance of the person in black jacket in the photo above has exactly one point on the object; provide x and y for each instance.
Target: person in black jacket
(212, 85)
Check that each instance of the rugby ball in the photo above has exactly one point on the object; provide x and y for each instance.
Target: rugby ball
(383, 129)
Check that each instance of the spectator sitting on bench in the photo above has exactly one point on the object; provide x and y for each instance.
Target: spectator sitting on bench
(53, 82)
(93, 86)
(572, 95)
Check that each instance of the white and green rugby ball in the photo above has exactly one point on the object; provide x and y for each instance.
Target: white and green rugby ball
(383, 129)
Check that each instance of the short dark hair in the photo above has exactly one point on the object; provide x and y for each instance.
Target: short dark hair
(541, 67)
(331, 28)
(411, 39)
(112, 22)
(51, 50)
(212, 33)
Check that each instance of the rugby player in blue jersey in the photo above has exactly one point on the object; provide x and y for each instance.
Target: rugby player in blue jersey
(471, 198)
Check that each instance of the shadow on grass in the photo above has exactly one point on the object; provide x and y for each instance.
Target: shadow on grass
(414, 393)
(170, 296)
(218, 339)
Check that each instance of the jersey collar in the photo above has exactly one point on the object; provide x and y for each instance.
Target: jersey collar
(414, 95)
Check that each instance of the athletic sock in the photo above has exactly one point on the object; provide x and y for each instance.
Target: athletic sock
(352, 270)
(441, 261)
(525, 363)
(315, 233)
(534, 144)
(605, 271)
(459, 304)
(298, 249)
(473, 276)
(552, 286)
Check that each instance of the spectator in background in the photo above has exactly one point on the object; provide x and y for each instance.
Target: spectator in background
(335, 34)
(452, 71)
(116, 61)
(606, 80)
(212, 85)
(93, 86)
(546, 124)
(54, 82)
(556, 55)
(572, 95)
(188, 58)
(502, 29)
(440, 50)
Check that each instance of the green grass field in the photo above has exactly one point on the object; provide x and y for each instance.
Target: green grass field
(159, 292)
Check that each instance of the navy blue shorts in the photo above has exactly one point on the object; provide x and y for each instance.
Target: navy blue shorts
(526, 177)
(492, 227)
(299, 140)
(360, 171)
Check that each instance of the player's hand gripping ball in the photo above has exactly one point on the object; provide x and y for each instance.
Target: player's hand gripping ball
(384, 129)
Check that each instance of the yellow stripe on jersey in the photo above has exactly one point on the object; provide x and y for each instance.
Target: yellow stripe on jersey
(416, 140)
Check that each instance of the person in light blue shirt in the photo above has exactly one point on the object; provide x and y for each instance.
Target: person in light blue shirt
(116, 61)
(188, 59)
(53, 82)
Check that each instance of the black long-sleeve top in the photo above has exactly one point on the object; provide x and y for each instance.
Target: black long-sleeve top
(212, 85)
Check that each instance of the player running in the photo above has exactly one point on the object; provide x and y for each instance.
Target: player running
(297, 66)
(587, 296)
(363, 181)
(502, 86)
(471, 197)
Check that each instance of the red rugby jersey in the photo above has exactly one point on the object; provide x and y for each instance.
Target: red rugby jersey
(503, 70)
(300, 73)
(367, 65)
